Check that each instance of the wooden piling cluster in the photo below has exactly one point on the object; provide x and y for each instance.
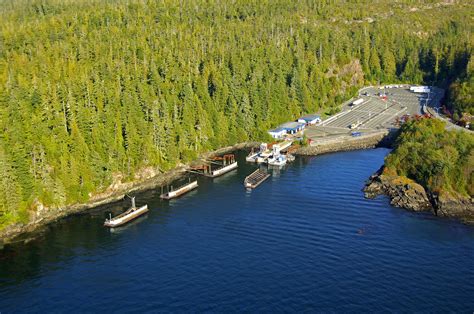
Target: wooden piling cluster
(227, 163)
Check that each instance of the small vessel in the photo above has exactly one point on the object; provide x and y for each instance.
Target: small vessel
(260, 156)
(277, 158)
(277, 161)
(252, 156)
(132, 213)
(180, 191)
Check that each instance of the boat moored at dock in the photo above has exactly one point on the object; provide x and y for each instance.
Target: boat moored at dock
(279, 160)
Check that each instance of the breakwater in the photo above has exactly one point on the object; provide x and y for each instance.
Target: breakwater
(346, 143)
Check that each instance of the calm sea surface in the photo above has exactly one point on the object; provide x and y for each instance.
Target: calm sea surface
(305, 240)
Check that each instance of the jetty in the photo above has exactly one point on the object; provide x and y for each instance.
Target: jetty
(132, 213)
(284, 145)
(255, 179)
(179, 191)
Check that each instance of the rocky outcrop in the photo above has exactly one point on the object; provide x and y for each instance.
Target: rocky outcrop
(456, 207)
(408, 194)
(403, 192)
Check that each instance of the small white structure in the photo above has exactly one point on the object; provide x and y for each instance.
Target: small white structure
(277, 158)
(420, 89)
(310, 119)
(277, 133)
(357, 102)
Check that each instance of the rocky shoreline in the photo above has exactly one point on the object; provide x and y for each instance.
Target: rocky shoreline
(410, 195)
(146, 179)
(151, 178)
(402, 191)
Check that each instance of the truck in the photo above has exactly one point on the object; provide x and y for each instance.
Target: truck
(354, 134)
(357, 102)
(420, 89)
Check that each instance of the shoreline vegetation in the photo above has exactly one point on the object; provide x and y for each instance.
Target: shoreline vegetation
(96, 92)
(430, 169)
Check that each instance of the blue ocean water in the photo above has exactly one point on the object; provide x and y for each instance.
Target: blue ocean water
(304, 240)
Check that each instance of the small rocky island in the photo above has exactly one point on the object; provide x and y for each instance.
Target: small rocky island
(408, 194)
(430, 169)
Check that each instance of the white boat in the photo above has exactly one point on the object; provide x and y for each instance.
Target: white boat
(261, 159)
(127, 216)
(279, 160)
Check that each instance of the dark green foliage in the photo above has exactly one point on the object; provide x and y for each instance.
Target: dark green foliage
(440, 160)
(461, 93)
(92, 89)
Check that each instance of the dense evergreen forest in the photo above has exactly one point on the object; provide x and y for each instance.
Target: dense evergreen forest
(440, 160)
(90, 88)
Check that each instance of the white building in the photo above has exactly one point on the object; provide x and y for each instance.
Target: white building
(310, 119)
(277, 133)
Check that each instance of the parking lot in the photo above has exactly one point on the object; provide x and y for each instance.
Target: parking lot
(379, 110)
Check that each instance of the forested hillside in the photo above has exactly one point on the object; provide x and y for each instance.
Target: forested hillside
(461, 95)
(91, 88)
(441, 161)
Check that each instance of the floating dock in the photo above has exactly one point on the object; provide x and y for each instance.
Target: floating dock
(221, 171)
(127, 216)
(255, 179)
(228, 164)
(180, 191)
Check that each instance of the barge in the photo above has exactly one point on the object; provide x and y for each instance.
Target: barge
(255, 179)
